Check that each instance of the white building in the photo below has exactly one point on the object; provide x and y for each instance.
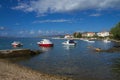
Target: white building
(68, 36)
(103, 34)
(88, 34)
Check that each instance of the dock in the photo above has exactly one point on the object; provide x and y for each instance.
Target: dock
(18, 53)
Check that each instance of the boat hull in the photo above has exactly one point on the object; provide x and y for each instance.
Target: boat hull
(45, 45)
(69, 44)
(16, 45)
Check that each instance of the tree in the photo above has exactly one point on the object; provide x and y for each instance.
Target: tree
(77, 35)
(115, 31)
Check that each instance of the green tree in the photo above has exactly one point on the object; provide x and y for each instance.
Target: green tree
(115, 31)
(77, 35)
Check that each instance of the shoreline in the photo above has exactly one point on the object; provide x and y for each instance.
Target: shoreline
(12, 71)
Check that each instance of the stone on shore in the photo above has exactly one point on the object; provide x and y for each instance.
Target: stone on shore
(11, 71)
(110, 50)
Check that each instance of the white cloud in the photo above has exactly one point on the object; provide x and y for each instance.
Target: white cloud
(95, 14)
(2, 28)
(4, 34)
(32, 32)
(53, 6)
(53, 21)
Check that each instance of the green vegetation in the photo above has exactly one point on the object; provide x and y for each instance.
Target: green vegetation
(77, 35)
(115, 31)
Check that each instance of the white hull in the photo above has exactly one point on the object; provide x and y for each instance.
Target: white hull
(106, 41)
(69, 44)
(88, 41)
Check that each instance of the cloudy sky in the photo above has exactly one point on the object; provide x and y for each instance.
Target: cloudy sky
(47, 17)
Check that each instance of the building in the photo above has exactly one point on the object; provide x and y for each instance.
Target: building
(68, 36)
(88, 34)
(103, 34)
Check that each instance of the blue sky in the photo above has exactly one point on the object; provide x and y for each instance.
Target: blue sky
(24, 18)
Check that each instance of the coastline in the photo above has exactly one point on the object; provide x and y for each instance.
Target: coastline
(11, 71)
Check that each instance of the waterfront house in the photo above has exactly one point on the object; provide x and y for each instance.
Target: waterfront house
(88, 34)
(68, 36)
(103, 34)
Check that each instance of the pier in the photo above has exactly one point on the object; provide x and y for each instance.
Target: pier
(18, 53)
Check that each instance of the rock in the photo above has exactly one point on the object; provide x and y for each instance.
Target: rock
(18, 53)
(97, 49)
(110, 50)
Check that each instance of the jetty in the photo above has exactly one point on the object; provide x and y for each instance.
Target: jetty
(18, 53)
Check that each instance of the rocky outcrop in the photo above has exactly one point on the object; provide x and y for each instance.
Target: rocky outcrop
(18, 53)
(110, 50)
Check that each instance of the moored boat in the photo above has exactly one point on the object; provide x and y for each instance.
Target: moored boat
(16, 44)
(69, 42)
(106, 41)
(45, 43)
(90, 41)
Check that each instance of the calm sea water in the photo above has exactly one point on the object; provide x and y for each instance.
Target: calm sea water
(78, 62)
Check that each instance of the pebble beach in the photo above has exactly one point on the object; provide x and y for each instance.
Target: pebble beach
(11, 71)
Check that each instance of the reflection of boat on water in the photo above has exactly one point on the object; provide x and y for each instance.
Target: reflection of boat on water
(16, 44)
(46, 48)
(106, 41)
(45, 43)
(69, 42)
(68, 47)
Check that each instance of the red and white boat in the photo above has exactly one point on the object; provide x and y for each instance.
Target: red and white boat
(45, 43)
(16, 44)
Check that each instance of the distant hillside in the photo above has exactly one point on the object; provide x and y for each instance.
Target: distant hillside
(49, 36)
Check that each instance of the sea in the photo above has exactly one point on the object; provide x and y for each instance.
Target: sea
(79, 62)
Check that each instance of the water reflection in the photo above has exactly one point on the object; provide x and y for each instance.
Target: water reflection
(69, 47)
(116, 65)
(46, 48)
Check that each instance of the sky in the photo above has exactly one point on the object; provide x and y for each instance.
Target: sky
(28, 18)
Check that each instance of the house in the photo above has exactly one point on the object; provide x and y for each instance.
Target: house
(68, 36)
(103, 34)
(88, 34)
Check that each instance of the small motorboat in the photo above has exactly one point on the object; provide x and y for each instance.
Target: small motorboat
(45, 43)
(69, 42)
(89, 41)
(106, 41)
(16, 44)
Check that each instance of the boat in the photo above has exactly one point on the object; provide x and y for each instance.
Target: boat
(106, 41)
(90, 41)
(69, 42)
(16, 44)
(45, 43)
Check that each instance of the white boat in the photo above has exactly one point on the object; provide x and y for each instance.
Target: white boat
(85, 40)
(90, 41)
(16, 44)
(69, 42)
(45, 43)
(106, 41)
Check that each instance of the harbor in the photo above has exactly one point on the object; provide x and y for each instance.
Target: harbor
(60, 40)
(74, 62)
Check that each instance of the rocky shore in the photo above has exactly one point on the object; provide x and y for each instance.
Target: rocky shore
(18, 53)
(11, 71)
(110, 50)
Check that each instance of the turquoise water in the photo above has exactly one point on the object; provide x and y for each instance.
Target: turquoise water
(78, 62)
